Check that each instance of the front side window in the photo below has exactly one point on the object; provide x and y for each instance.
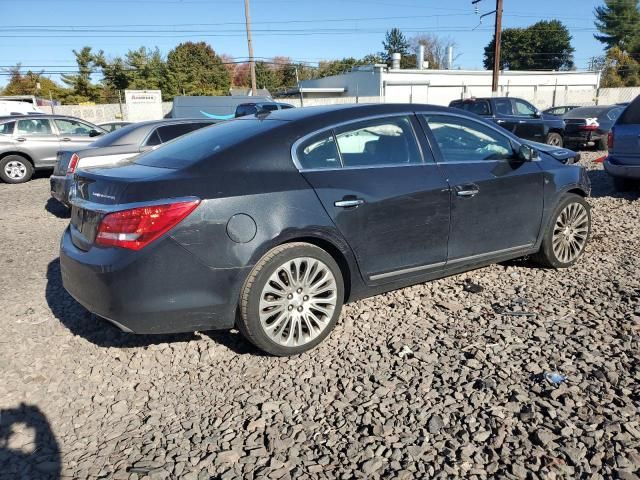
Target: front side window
(7, 128)
(387, 141)
(73, 127)
(464, 140)
(319, 152)
(524, 109)
(33, 126)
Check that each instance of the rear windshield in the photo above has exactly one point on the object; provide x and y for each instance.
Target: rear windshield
(122, 136)
(480, 107)
(631, 115)
(586, 112)
(199, 145)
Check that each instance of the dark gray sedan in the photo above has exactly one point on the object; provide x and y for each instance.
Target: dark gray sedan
(117, 146)
(271, 222)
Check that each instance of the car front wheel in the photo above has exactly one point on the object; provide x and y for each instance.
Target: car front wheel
(291, 300)
(568, 233)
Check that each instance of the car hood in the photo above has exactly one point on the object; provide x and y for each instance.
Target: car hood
(563, 155)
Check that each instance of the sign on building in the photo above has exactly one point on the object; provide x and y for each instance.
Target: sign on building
(143, 105)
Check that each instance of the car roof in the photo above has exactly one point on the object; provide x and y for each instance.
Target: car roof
(347, 111)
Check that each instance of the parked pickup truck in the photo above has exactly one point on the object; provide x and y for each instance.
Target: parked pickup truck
(518, 116)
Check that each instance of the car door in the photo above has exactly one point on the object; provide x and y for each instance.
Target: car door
(384, 193)
(528, 122)
(74, 134)
(37, 138)
(503, 114)
(496, 198)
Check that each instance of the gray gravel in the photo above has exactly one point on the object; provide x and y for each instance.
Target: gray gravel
(429, 381)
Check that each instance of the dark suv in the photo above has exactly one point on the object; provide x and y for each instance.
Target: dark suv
(518, 116)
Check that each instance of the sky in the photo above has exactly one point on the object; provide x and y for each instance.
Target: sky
(40, 34)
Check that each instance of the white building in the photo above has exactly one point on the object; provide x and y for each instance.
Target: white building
(377, 83)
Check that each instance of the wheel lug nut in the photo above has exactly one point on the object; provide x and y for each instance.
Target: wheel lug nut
(300, 309)
(290, 307)
(290, 296)
(305, 298)
(299, 290)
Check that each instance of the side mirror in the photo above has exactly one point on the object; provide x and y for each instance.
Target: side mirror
(94, 133)
(528, 154)
(538, 114)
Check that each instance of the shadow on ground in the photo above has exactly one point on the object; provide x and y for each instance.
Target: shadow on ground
(28, 446)
(602, 186)
(54, 207)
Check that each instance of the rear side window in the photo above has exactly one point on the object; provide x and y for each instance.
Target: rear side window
(479, 107)
(154, 139)
(319, 152)
(503, 106)
(387, 141)
(243, 110)
(7, 128)
(34, 126)
(270, 107)
(464, 140)
(169, 132)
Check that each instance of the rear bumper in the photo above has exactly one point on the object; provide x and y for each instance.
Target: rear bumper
(60, 188)
(621, 170)
(583, 138)
(160, 289)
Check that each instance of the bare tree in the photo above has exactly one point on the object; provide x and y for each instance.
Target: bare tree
(435, 49)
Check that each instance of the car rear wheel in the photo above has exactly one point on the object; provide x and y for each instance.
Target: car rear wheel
(567, 236)
(15, 169)
(554, 139)
(291, 300)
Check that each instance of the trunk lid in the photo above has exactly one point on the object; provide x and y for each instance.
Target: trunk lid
(97, 192)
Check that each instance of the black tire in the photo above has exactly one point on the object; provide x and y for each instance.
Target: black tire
(555, 139)
(249, 323)
(22, 167)
(603, 144)
(546, 256)
(623, 184)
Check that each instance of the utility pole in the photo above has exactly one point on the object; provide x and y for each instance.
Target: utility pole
(252, 63)
(497, 43)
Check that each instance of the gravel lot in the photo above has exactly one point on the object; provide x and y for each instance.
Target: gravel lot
(429, 381)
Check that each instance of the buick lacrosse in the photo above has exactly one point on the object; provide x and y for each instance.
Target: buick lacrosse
(270, 223)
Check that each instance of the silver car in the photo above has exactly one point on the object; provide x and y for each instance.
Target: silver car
(29, 143)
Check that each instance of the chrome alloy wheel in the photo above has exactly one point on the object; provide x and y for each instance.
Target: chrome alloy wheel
(570, 232)
(298, 301)
(15, 170)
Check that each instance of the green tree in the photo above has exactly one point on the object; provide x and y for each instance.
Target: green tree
(266, 77)
(394, 42)
(619, 69)
(195, 69)
(327, 68)
(545, 45)
(619, 23)
(80, 83)
(27, 84)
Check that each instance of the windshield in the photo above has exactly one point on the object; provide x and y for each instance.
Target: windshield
(203, 143)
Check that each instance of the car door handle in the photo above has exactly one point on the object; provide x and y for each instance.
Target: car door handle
(500, 121)
(65, 139)
(522, 121)
(468, 190)
(21, 139)
(355, 202)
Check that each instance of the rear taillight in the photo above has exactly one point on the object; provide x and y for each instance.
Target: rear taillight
(136, 228)
(591, 125)
(610, 140)
(73, 163)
